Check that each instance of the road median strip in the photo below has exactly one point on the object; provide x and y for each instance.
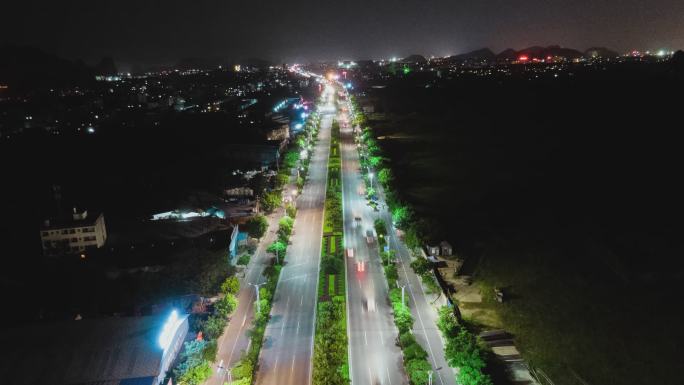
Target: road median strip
(330, 358)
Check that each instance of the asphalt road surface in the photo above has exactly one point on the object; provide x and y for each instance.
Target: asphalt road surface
(235, 338)
(286, 356)
(374, 357)
(424, 313)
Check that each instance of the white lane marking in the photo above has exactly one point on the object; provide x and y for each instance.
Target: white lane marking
(297, 327)
(420, 318)
(293, 278)
(370, 375)
(275, 367)
(301, 300)
(243, 321)
(282, 327)
(388, 376)
(288, 302)
(365, 337)
(292, 366)
(382, 340)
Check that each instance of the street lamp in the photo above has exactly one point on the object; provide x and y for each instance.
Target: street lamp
(402, 294)
(256, 287)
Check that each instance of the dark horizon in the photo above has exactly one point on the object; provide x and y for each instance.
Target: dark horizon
(156, 34)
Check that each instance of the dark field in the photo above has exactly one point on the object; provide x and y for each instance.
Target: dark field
(566, 193)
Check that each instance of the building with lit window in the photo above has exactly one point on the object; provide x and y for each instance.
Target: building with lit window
(106, 351)
(74, 234)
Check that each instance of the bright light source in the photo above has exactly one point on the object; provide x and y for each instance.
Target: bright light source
(523, 58)
(169, 330)
(298, 126)
(304, 115)
(91, 130)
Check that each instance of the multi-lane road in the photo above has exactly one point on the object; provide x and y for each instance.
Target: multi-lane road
(424, 314)
(236, 339)
(286, 355)
(374, 356)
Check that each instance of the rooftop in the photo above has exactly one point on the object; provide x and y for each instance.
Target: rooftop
(77, 219)
(102, 351)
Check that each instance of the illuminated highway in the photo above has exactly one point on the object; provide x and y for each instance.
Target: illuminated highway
(286, 356)
(374, 356)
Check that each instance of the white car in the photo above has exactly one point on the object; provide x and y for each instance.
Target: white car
(350, 252)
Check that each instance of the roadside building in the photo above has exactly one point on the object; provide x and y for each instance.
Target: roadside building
(108, 351)
(72, 235)
(446, 249)
(432, 250)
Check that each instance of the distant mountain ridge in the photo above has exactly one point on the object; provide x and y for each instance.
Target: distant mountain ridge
(534, 52)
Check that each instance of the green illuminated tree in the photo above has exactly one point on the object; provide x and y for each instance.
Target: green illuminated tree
(270, 200)
(197, 374)
(278, 247)
(230, 286)
(385, 177)
(214, 326)
(417, 371)
(285, 227)
(256, 226)
(291, 210)
(226, 305)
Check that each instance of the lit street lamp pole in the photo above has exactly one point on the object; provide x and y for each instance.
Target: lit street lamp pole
(402, 294)
(256, 287)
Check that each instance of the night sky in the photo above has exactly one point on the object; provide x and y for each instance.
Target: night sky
(159, 32)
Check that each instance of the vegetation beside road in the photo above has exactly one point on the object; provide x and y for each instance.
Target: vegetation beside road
(554, 209)
(471, 370)
(198, 356)
(416, 364)
(463, 351)
(245, 370)
(330, 357)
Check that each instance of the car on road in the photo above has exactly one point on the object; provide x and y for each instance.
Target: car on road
(357, 221)
(369, 304)
(350, 252)
(369, 236)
